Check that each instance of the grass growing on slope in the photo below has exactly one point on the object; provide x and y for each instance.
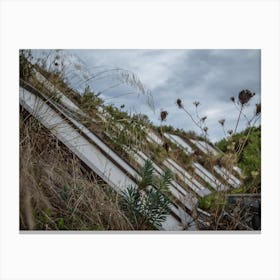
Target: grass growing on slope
(56, 191)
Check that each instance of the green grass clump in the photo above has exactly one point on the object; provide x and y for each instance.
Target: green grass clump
(212, 201)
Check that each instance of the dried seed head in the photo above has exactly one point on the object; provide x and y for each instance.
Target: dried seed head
(166, 146)
(163, 115)
(179, 103)
(258, 109)
(232, 99)
(203, 119)
(244, 96)
(222, 122)
(196, 103)
(230, 131)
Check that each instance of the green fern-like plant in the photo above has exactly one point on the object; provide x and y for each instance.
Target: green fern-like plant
(155, 207)
(146, 175)
(147, 203)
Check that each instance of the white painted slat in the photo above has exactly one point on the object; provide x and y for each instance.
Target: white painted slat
(199, 146)
(232, 180)
(177, 191)
(208, 147)
(199, 210)
(152, 137)
(187, 178)
(107, 150)
(204, 147)
(179, 142)
(63, 99)
(208, 177)
(155, 166)
(171, 224)
(237, 169)
(237, 181)
(225, 177)
(186, 219)
(185, 173)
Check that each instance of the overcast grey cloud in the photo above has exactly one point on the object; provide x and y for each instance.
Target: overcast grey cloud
(208, 76)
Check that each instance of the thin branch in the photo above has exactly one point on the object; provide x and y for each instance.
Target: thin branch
(238, 118)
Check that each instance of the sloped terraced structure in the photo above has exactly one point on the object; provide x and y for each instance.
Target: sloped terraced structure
(187, 186)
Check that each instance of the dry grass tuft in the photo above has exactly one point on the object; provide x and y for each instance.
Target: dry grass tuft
(56, 191)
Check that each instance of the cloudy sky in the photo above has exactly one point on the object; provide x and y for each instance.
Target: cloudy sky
(208, 76)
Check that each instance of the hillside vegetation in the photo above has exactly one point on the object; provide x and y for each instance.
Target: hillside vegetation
(250, 158)
(58, 192)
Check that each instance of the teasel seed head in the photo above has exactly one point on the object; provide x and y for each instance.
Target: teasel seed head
(203, 119)
(222, 122)
(179, 103)
(163, 115)
(244, 96)
(258, 109)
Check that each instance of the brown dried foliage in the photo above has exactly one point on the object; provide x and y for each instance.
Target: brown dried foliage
(56, 191)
